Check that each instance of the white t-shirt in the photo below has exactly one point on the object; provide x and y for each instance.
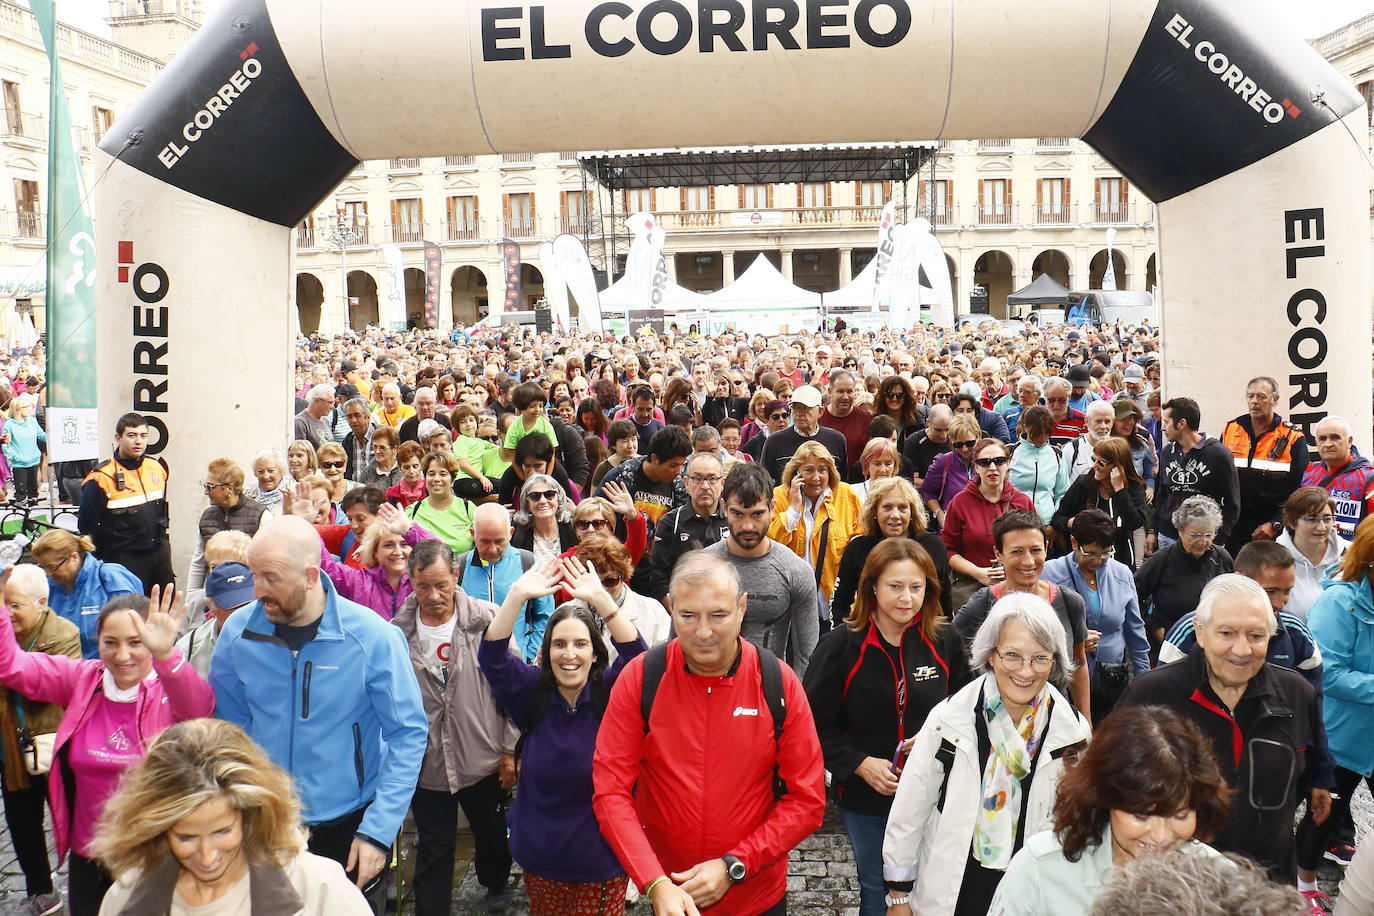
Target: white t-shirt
(436, 643)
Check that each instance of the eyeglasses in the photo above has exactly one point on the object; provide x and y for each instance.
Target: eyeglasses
(540, 495)
(1317, 519)
(967, 443)
(1099, 463)
(1110, 552)
(1015, 660)
(332, 464)
(777, 416)
(1198, 535)
(610, 582)
(590, 524)
(51, 568)
(215, 486)
(998, 462)
(942, 396)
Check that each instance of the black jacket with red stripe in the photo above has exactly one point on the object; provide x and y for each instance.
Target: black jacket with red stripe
(1267, 748)
(856, 691)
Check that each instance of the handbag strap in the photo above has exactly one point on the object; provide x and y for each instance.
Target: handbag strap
(820, 550)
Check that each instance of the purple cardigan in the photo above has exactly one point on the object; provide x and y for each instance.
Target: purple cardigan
(945, 480)
(553, 830)
(369, 587)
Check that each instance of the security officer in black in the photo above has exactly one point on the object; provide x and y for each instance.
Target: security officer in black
(698, 524)
(124, 507)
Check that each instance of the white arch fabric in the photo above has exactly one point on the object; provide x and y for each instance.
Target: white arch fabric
(1205, 105)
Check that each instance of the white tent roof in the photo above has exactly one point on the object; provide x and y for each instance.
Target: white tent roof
(675, 298)
(858, 292)
(762, 286)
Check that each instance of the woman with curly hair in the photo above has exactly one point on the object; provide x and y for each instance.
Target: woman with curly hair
(896, 399)
(1148, 784)
(205, 818)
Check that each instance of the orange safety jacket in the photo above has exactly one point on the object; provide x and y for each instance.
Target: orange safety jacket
(135, 515)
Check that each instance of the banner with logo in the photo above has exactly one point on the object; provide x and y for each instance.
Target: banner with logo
(572, 262)
(882, 261)
(73, 426)
(434, 264)
(510, 266)
(555, 288)
(1109, 275)
(646, 269)
(394, 311)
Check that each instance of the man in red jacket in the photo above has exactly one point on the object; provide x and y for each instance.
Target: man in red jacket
(688, 801)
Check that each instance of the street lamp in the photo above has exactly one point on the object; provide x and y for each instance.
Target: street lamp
(341, 237)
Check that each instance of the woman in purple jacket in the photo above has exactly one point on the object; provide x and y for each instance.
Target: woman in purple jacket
(385, 585)
(558, 707)
(114, 708)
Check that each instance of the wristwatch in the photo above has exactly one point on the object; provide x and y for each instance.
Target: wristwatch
(897, 901)
(734, 868)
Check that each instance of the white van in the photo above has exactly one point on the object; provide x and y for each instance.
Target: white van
(1105, 307)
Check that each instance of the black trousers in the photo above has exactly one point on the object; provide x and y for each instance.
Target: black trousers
(436, 829)
(25, 483)
(24, 817)
(334, 839)
(152, 567)
(87, 883)
(1313, 840)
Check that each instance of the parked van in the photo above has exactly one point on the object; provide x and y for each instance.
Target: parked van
(1105, 307)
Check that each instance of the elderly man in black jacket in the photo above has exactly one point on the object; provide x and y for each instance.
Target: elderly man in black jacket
(1263, 721)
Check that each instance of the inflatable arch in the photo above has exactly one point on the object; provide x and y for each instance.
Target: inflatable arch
(1212, 110)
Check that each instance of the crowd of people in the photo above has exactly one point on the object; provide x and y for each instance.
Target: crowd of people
(640, 607)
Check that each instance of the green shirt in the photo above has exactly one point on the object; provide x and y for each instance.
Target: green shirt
(472, 450)
(517, 431)
(453, 527)
(492, 464)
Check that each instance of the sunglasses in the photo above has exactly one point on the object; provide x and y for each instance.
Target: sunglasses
(540, 495)
(967, 443)
(998, 462)
(895, 395)
(943, 396)
(333, 464)
(777, 416)
(595, 524)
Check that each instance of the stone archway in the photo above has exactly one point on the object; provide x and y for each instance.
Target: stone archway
(1152, 273)
(468, 288)
(309, 302)
(531, 285)
(1056, 263)
(995, 271)
(362, 300)
(1097, 268)
(415, 297)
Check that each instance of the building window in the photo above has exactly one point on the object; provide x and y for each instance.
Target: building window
(1110, 200)
(26, 205)
(1052, 201)
(873, 193)
(698, 199)
(305, 232)
(639, 200)
(755, 196)
(1366, 90)
(937, 201)
(463, 222)
(813, 194)
(14, 111)
(574, 212)
(994, 201)
(519, 215)
(407, 220)
(102, 119)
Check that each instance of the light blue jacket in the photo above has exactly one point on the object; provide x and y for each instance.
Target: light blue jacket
(22, 449)
(1038, 472)
(343, 716)
(1122, 629)
(96, 583)
(1342, 621)
(491, 582)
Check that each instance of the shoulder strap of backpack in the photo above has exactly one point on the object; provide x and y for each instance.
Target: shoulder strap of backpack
(655, 664)
(770, 671)
(945, 755)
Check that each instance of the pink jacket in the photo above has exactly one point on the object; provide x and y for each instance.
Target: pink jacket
(369, 587)
(178, 693)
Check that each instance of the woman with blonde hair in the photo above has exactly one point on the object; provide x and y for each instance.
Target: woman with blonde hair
(892, 509)
(878, 460)
(815, 515)
(206, 818)
(79, 582)
(301, 460)
(757, 424)
(865, 703)
(333, 461)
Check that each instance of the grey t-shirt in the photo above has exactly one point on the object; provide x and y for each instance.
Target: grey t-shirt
(313, 431)
(781, 612)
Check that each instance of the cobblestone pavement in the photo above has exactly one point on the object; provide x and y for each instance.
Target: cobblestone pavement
(821, 879)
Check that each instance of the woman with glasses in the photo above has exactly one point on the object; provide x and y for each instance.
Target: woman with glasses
(1170, 580)
(600, 551)
(543, 525)
(1116, 645)
(896, 400)
(230, 509)
(1309, 534)
(984, 768)
(722, 403)
(333, 460)
(442, 513)
(383, 471)
(1112, 485)
(757, 424)
(949, 474)
(597, 515)
(79, 582)
(776, 419)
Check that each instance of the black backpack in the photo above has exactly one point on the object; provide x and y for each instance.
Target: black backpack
(770, 671)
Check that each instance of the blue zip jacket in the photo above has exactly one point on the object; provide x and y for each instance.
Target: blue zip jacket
(343, 716)
(96, 583)
(492, 581)
(22, 449)
(1342, 620)
(1123, 630)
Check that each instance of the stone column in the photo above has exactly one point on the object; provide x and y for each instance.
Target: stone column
(727, 268)
(787, 264)
(846, 265)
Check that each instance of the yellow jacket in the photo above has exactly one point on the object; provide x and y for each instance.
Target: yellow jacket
(841, 507)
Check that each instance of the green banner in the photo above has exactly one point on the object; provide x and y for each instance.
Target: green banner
(71, 332)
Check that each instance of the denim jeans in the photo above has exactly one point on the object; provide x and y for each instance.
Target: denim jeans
(866, 837)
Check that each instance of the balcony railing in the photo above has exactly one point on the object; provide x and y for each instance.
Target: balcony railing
(786, 217)
(405, 165)
(945, 216)
(23, 124)
(995, 145)
(1345, 37)
(463, 230)
(459, 162)
(73, 44)
(322, 237)
(516, 158)
(1053, 144)
(1060, 214)
(572, 225)
(305, 237)
(519, 227)
(1114, 211)
(996, 214)
(567, 155)
(407, 232)
(21, 224)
